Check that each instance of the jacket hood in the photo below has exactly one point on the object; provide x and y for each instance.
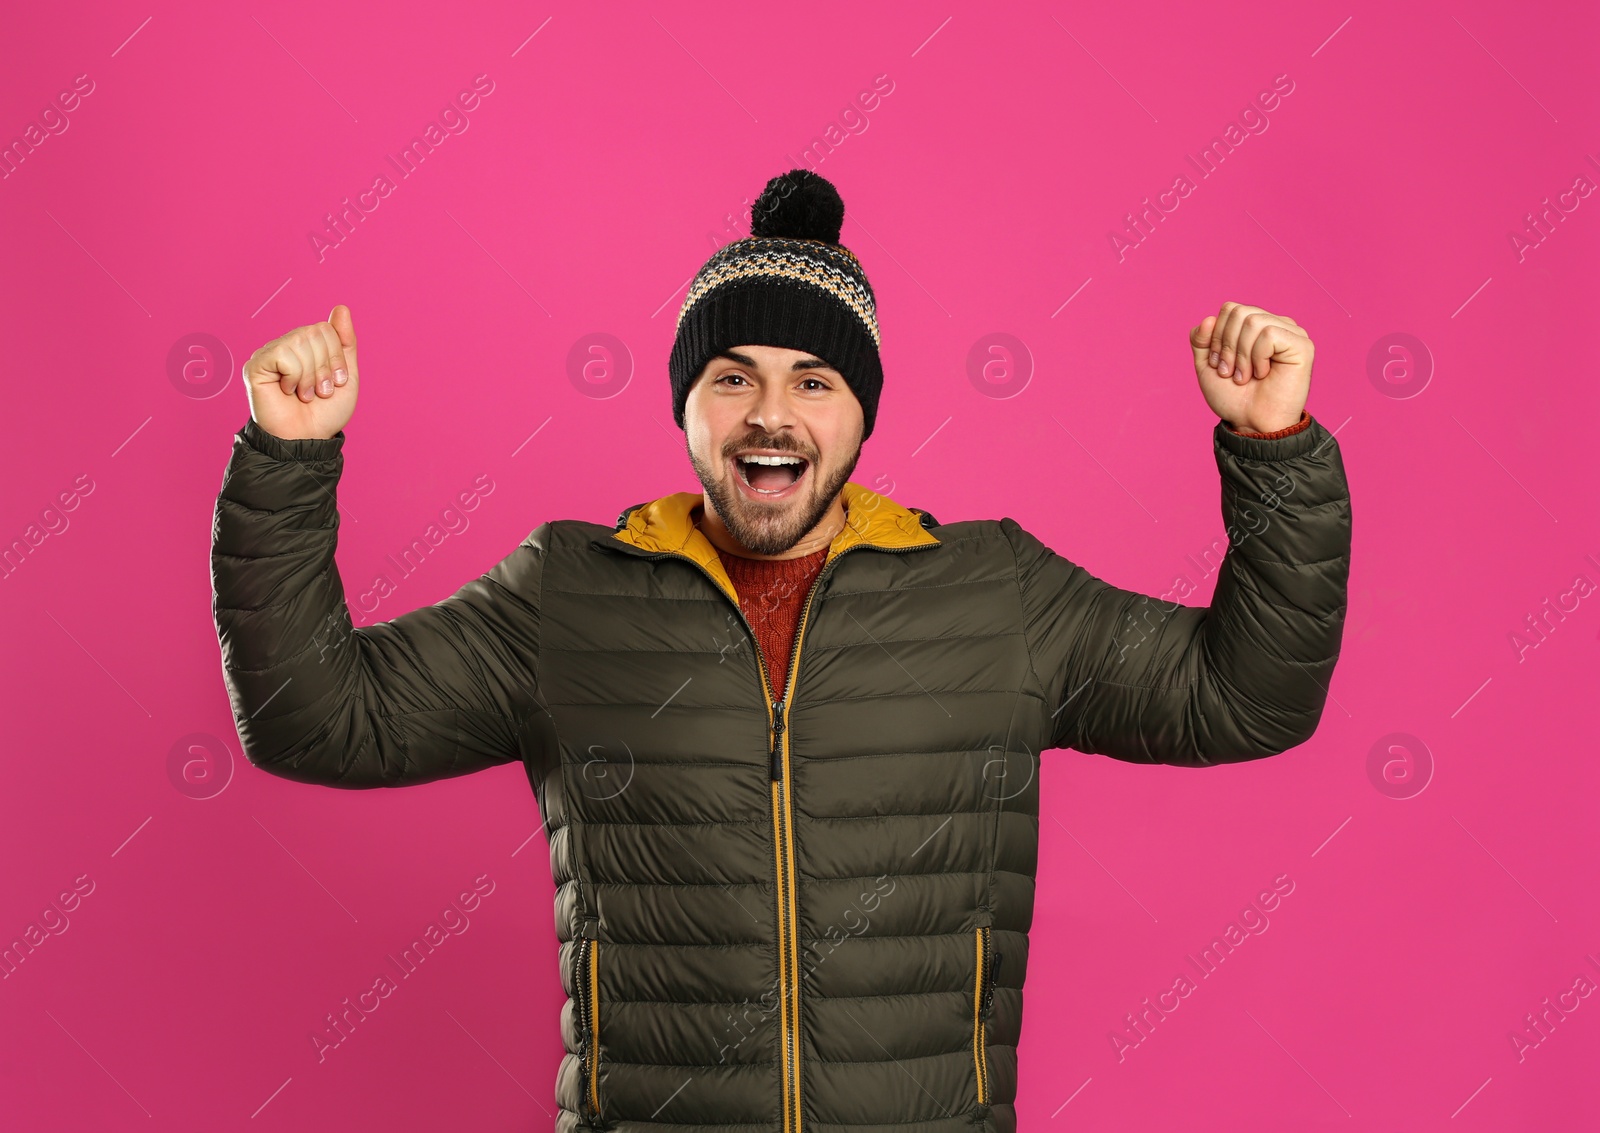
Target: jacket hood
(666, 525)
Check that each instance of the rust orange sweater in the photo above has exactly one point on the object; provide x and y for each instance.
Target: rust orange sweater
(771, 593)
(1288, 431)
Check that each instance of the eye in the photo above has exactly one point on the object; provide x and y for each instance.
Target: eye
(726, 377)
(819, 382)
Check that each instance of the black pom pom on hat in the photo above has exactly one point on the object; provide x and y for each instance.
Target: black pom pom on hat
(798, 205)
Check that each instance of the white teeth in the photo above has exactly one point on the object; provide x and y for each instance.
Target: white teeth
(798, 463)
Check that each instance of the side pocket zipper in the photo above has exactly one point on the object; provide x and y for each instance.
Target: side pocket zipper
(586, 980)
(982, 1006)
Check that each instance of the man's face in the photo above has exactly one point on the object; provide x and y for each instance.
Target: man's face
(771, 402)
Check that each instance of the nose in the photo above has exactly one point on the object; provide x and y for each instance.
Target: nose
(772, 410)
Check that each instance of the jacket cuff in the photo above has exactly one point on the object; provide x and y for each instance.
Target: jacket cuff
(1286, 445)
(303, 449)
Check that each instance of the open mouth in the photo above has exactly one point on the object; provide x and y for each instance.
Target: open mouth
(770, 475)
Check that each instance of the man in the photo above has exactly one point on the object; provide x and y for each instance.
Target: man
(783, 734)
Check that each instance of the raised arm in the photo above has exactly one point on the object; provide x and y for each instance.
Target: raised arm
(439, 691)
(1146, 680)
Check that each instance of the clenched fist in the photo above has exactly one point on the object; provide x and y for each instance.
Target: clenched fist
(1254, 367)
(304, 384)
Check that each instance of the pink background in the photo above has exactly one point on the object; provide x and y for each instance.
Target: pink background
(618, 146)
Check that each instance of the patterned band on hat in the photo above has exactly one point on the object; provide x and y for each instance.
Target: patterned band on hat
(831, 267)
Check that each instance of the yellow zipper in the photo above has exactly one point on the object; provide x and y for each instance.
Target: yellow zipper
(593, 976)
(980, 1025)
(782, 792)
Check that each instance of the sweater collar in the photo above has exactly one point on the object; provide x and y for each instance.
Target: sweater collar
(870, 520)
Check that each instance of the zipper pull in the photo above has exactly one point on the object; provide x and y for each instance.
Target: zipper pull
(988, 986)
(777, 740)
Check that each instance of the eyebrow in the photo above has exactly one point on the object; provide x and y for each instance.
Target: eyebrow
(801, 364)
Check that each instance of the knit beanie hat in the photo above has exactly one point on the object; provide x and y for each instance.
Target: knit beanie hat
(790, 283)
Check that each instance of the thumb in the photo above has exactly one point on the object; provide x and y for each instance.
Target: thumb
(343, 326)
(1200, 338)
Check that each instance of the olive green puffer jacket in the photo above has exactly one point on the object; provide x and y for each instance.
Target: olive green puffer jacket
(782, 909)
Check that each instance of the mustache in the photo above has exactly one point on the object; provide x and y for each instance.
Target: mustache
(778, 444)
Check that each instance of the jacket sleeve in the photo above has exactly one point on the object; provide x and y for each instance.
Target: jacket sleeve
(1146, 680)
(442, 690)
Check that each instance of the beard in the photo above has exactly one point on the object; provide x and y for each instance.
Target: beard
(773, 528)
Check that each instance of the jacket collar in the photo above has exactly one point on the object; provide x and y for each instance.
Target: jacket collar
(870, 519)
